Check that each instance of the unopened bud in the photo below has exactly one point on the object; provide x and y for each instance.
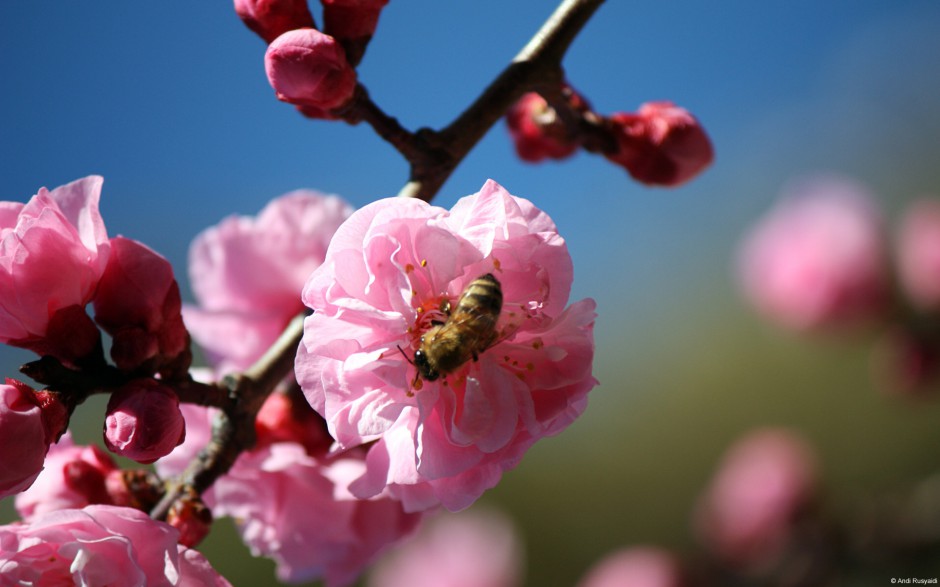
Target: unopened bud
(192, 518)
(308, 68)
(661, 144)
(351, 19)
(138, 304)
(537, 131)
(907, 362)
(28, 424)
(272, 18)
(143, 421)
(285, 417)
(134, 488)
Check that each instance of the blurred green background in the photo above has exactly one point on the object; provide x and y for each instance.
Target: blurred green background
(171, 105)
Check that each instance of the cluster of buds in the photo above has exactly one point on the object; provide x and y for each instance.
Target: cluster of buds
(822, 260)
(660, 145)
(58, 260)
(312, 69)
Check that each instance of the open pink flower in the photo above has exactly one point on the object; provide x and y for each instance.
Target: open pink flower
(53, 250)
(389, 273)
(641, 566)
(73, 477)
(99, 545)
(817, 259)
(919, 253)
(765, 481)
(247, 274)
(295, 507)
(469, 549)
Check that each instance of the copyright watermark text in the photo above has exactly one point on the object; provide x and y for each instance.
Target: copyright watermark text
(913, 581)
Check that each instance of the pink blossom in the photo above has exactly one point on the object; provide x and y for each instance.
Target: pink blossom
(29, 422)
(308, 68)
(73, 477)
(53, 250)
(99, 545)
(351, 19)
(138, 304)
(635, 567)
(919, 253)
(144, 421)
(247, 274)
(764, 482)
(469, 549)
(536, 130)
(387, 273)
(661, 144)
(295, 507)
(816, 260)
(272, 18)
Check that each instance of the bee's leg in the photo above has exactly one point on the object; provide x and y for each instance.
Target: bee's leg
(415, 385)
(476, 357)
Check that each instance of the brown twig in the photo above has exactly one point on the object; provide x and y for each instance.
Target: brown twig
(434, 154)
(233, 430)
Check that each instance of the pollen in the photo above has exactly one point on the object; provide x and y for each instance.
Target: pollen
(419, 309)
(530, 366)
(521, 376)
(409, 268)
(496, 264)
(537, 343)
(424, 262)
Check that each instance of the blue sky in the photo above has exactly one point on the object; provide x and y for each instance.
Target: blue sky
(169, 102)
(172, 106)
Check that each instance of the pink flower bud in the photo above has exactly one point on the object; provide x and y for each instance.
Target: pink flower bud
(661, 144)
(636, 567)
(765, 481)
(919, 254)
(29, 422)
(287, 418)
(138, 303)
(144, 421)
(73, 477)
(307, 68)
(816, 260)
(907, 362)
(272, 18)
(536, 130)
(351, 19)
(53, 251)
(192, 518)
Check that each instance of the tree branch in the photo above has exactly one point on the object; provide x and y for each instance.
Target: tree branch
(233, 430)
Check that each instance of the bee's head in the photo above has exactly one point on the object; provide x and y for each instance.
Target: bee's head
(424, 367)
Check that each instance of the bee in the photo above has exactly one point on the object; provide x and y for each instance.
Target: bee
(468, 331)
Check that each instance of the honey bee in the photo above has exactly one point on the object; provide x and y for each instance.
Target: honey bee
(468, 331)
